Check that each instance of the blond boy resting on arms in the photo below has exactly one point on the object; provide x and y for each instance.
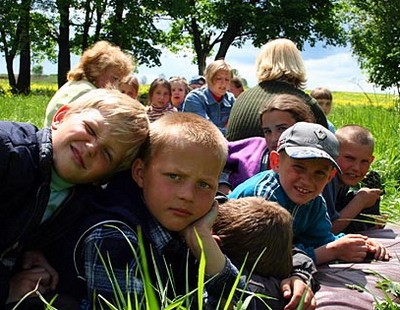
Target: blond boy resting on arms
(356, 147)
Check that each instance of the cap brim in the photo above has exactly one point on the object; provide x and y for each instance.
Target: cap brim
(310, 153)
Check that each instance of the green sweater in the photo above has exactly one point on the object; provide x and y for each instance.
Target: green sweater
(244, 120)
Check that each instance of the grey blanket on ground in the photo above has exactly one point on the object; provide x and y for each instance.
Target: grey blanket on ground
(339, 281)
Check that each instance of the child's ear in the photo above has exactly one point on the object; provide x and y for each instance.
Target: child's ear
(138, 171)
(217, 239)
(59, 116)
(332, 175)
(371, 159)
(274, 161)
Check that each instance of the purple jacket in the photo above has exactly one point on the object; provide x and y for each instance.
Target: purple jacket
(244, 159)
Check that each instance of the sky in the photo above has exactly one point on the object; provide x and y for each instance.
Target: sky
(331, 67)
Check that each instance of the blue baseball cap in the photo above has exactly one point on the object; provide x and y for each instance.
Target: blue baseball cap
(198, 79)
(308, 140)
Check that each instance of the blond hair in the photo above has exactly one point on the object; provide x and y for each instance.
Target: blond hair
(214, 67)
(98, 58)
(251, 225)
(280, 59)
(181, 129)
(355, 134)
(126, 117)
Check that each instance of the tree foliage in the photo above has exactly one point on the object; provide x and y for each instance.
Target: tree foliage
(374, 33)
(204, 25)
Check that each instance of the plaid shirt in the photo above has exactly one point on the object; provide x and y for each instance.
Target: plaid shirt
(112, 244)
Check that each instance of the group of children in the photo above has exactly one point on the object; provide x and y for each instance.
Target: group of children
(110, 182)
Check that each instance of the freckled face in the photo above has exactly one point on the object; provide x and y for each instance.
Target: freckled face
(303, 179)
(354, 160)
(179, 184)
(83, 149)
(273, 124)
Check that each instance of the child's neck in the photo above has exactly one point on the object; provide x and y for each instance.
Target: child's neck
(217, 98)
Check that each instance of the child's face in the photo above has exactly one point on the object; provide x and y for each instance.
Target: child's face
(179, 184)
(129, 90)
(221, 83)
(160, 97)
(178, 93)
(326, 105)
(273, 124)
(302, 179)
(236, 91)
(83, 151)
(354, 160)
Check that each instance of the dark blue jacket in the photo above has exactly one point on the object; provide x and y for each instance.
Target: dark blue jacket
(25, 173)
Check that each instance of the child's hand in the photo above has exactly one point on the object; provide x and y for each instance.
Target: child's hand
(379, 251)
(293, 289)
(350, 248)
(215, 259)
(203, 227)
(36, 259)
(368, 196)
(25, 281)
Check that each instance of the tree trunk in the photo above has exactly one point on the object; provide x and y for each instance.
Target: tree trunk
(229, 36)
(64, 56)
(10, 72)
(117, 21)
(86, 25)
(24, 76)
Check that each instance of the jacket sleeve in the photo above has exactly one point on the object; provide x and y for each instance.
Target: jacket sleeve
(106, 252)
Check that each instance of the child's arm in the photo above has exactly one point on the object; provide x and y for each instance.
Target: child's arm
(107, 244)
(350, 248)
(216, 260)
(364, 199)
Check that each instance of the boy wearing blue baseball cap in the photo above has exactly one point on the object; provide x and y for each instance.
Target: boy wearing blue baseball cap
(304, 162)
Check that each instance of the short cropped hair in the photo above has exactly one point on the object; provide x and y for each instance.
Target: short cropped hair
(295, 105)
(355, 134)
(251, 225)
(126, 117)
(98, 58)
(280, 59)
(214, 67)
(181, 129)
(321, 93)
